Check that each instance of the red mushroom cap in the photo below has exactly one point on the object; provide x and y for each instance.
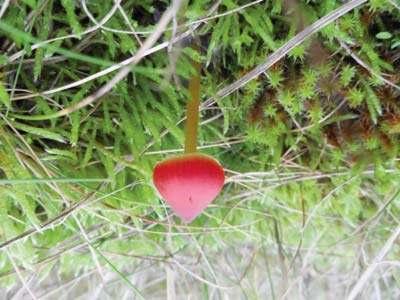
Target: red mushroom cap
(189, 183)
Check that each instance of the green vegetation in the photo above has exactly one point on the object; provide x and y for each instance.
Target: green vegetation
(310, 148)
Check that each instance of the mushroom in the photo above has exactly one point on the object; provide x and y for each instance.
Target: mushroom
(191, 181)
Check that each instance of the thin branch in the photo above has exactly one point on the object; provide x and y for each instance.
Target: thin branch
(91, 248)
(50, 223)
(128, 23)
(126, 19)
(227, 13)
(116, 66)
(367, 67)
(63, 215)
(285, 49)
(357, 288)
(4, 7)
(149, 42)
(21, 278)
(107, 17)
(393, 2)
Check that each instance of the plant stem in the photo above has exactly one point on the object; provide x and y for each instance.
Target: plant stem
(192, 111)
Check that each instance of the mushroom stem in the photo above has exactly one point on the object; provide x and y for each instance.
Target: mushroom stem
(192, 111)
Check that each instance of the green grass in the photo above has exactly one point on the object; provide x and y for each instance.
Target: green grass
(310, 149)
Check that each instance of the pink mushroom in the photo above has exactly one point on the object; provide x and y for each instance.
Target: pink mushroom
(191, 181)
